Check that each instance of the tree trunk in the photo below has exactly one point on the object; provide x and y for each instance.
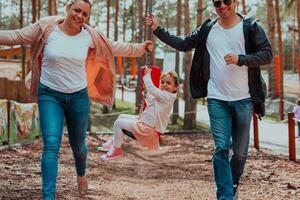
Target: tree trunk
(39, 9)
(124, 20)
(52, 8)
(190, 103)
(107, 17)
(271, 34)
(116, 19)
(175, 114)
(105, 108)
(23, 47)
(133, 20)
(33, 10)
(1, 27)
(140, 60)
(280, 52)
(199, 12)
(298, 23)
(244, 7)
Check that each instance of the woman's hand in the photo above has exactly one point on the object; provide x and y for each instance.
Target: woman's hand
(148, 45)
(152, 21)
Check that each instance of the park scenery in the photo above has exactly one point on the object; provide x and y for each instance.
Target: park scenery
(183, 167)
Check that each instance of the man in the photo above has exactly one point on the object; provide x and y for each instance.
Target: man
(225, 69)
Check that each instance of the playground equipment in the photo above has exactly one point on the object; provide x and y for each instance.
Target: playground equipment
(155, 75)
(19, 122)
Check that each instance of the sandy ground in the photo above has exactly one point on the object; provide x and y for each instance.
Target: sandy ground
(181, 169)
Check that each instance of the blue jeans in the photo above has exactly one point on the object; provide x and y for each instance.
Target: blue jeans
(54, 106)
(298, 129)
(230, 123)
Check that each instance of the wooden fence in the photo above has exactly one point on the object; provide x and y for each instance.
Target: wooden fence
(14, 90)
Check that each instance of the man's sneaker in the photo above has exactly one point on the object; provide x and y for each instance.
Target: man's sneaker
(106, 146)
(235, 192)
(113, 153)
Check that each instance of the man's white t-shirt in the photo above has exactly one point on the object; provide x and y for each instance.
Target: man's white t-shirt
(63, 63)
(227, 82)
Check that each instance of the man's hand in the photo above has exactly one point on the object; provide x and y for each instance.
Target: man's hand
(152, 21)
(231, 59)
(147, 70)
(148, 45)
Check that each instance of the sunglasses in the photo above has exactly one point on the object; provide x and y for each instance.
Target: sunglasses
(217, 4)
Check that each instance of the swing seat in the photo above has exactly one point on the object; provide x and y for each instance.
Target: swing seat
(129, 134)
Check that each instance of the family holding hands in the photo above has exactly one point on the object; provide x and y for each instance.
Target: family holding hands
(72, 63)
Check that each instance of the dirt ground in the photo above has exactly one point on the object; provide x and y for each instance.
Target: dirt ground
(181, 169)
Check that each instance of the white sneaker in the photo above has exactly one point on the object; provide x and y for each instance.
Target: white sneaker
(106, 146)
(235, 192)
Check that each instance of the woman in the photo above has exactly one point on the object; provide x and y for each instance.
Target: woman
(71, 63)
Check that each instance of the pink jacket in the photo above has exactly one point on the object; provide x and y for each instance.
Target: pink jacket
(100, 65)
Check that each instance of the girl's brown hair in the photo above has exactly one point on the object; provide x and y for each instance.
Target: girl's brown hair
(173, 74)
(298, 102)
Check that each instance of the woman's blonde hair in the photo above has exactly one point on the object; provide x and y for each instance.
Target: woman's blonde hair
(71, 2)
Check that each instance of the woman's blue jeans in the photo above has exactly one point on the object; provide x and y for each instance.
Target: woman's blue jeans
(230, 124)
(54, 106)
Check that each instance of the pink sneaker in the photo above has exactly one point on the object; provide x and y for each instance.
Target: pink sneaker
(113, 153)
(106, 146)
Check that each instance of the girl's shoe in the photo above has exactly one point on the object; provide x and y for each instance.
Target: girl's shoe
(106, 146)
(113, 153)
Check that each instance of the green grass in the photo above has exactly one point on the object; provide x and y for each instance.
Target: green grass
(104, 122)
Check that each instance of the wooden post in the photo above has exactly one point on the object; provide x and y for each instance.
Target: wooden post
(292, 145)
(255, 131)
(8, 121)
(122, 90)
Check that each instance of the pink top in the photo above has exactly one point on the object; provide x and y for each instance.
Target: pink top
(297, 113)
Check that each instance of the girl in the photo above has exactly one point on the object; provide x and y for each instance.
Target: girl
(71, 64)
(297, 114)
(152, 120)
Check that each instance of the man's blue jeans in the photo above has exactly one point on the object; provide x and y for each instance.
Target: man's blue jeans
(54, 106)
(230, 123)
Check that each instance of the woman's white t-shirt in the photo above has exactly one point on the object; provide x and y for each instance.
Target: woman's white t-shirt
(63, 64)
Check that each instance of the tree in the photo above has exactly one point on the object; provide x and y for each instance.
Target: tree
(38, 9)
(179, 20)
(280, 52)
(116, 18)
(244, 7)
(298, 22)
(52, 7)
(140, 60)
(124, 20)
(33, 10)
(0, 16)
(107, 17)
(271, 34)
(199, 12)
(190, 103)
(133, 19)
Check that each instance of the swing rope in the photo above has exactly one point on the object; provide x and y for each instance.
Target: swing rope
(148, 64)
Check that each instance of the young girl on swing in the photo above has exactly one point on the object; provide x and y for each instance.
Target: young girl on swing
(153, 120)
